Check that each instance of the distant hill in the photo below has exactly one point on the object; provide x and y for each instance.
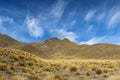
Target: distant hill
(6, 41)
(56, 48)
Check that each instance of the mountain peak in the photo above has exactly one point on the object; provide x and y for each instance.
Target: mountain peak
(54, 38)
(66, 39)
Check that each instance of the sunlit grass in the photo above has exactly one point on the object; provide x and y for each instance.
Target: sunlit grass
(20, 65)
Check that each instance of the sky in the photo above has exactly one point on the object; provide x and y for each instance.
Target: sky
(81, 21)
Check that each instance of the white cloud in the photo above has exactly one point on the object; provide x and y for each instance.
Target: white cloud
(90, 28)
(90, 14)
(66, 34)
(58, 8)
(113, 39)
(33, 26)
(115, 18)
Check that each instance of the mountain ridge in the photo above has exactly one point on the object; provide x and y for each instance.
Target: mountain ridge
(57, 48)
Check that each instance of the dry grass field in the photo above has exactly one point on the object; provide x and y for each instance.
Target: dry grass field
(20, 65)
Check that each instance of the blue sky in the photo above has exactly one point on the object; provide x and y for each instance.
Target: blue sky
(81, 21)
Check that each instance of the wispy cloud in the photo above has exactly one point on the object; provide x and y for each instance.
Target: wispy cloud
(33, 26)
(115, 18)
(66, 34)
(58, 8)
(93, 40)
(89, 15)
(90, 28)
(114, 39)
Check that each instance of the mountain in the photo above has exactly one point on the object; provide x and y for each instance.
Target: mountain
(57, 48)
(67, 49)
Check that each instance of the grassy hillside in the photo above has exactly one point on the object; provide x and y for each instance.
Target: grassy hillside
(6, 41)
(67, 49)
(19, 63)
(55, 46)
(100, 51)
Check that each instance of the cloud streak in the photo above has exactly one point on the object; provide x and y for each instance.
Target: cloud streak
(58, 8)
(93, 40)
(89, 15)
(114, 39)
(115, 18)
(90, 28)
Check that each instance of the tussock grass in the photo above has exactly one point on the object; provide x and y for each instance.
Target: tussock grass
(73, 69)
(20, 65)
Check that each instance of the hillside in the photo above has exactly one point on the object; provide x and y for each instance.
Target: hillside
(67, 49)
(6, 41)
(16, 62)
(100, 51)
(57, 48)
